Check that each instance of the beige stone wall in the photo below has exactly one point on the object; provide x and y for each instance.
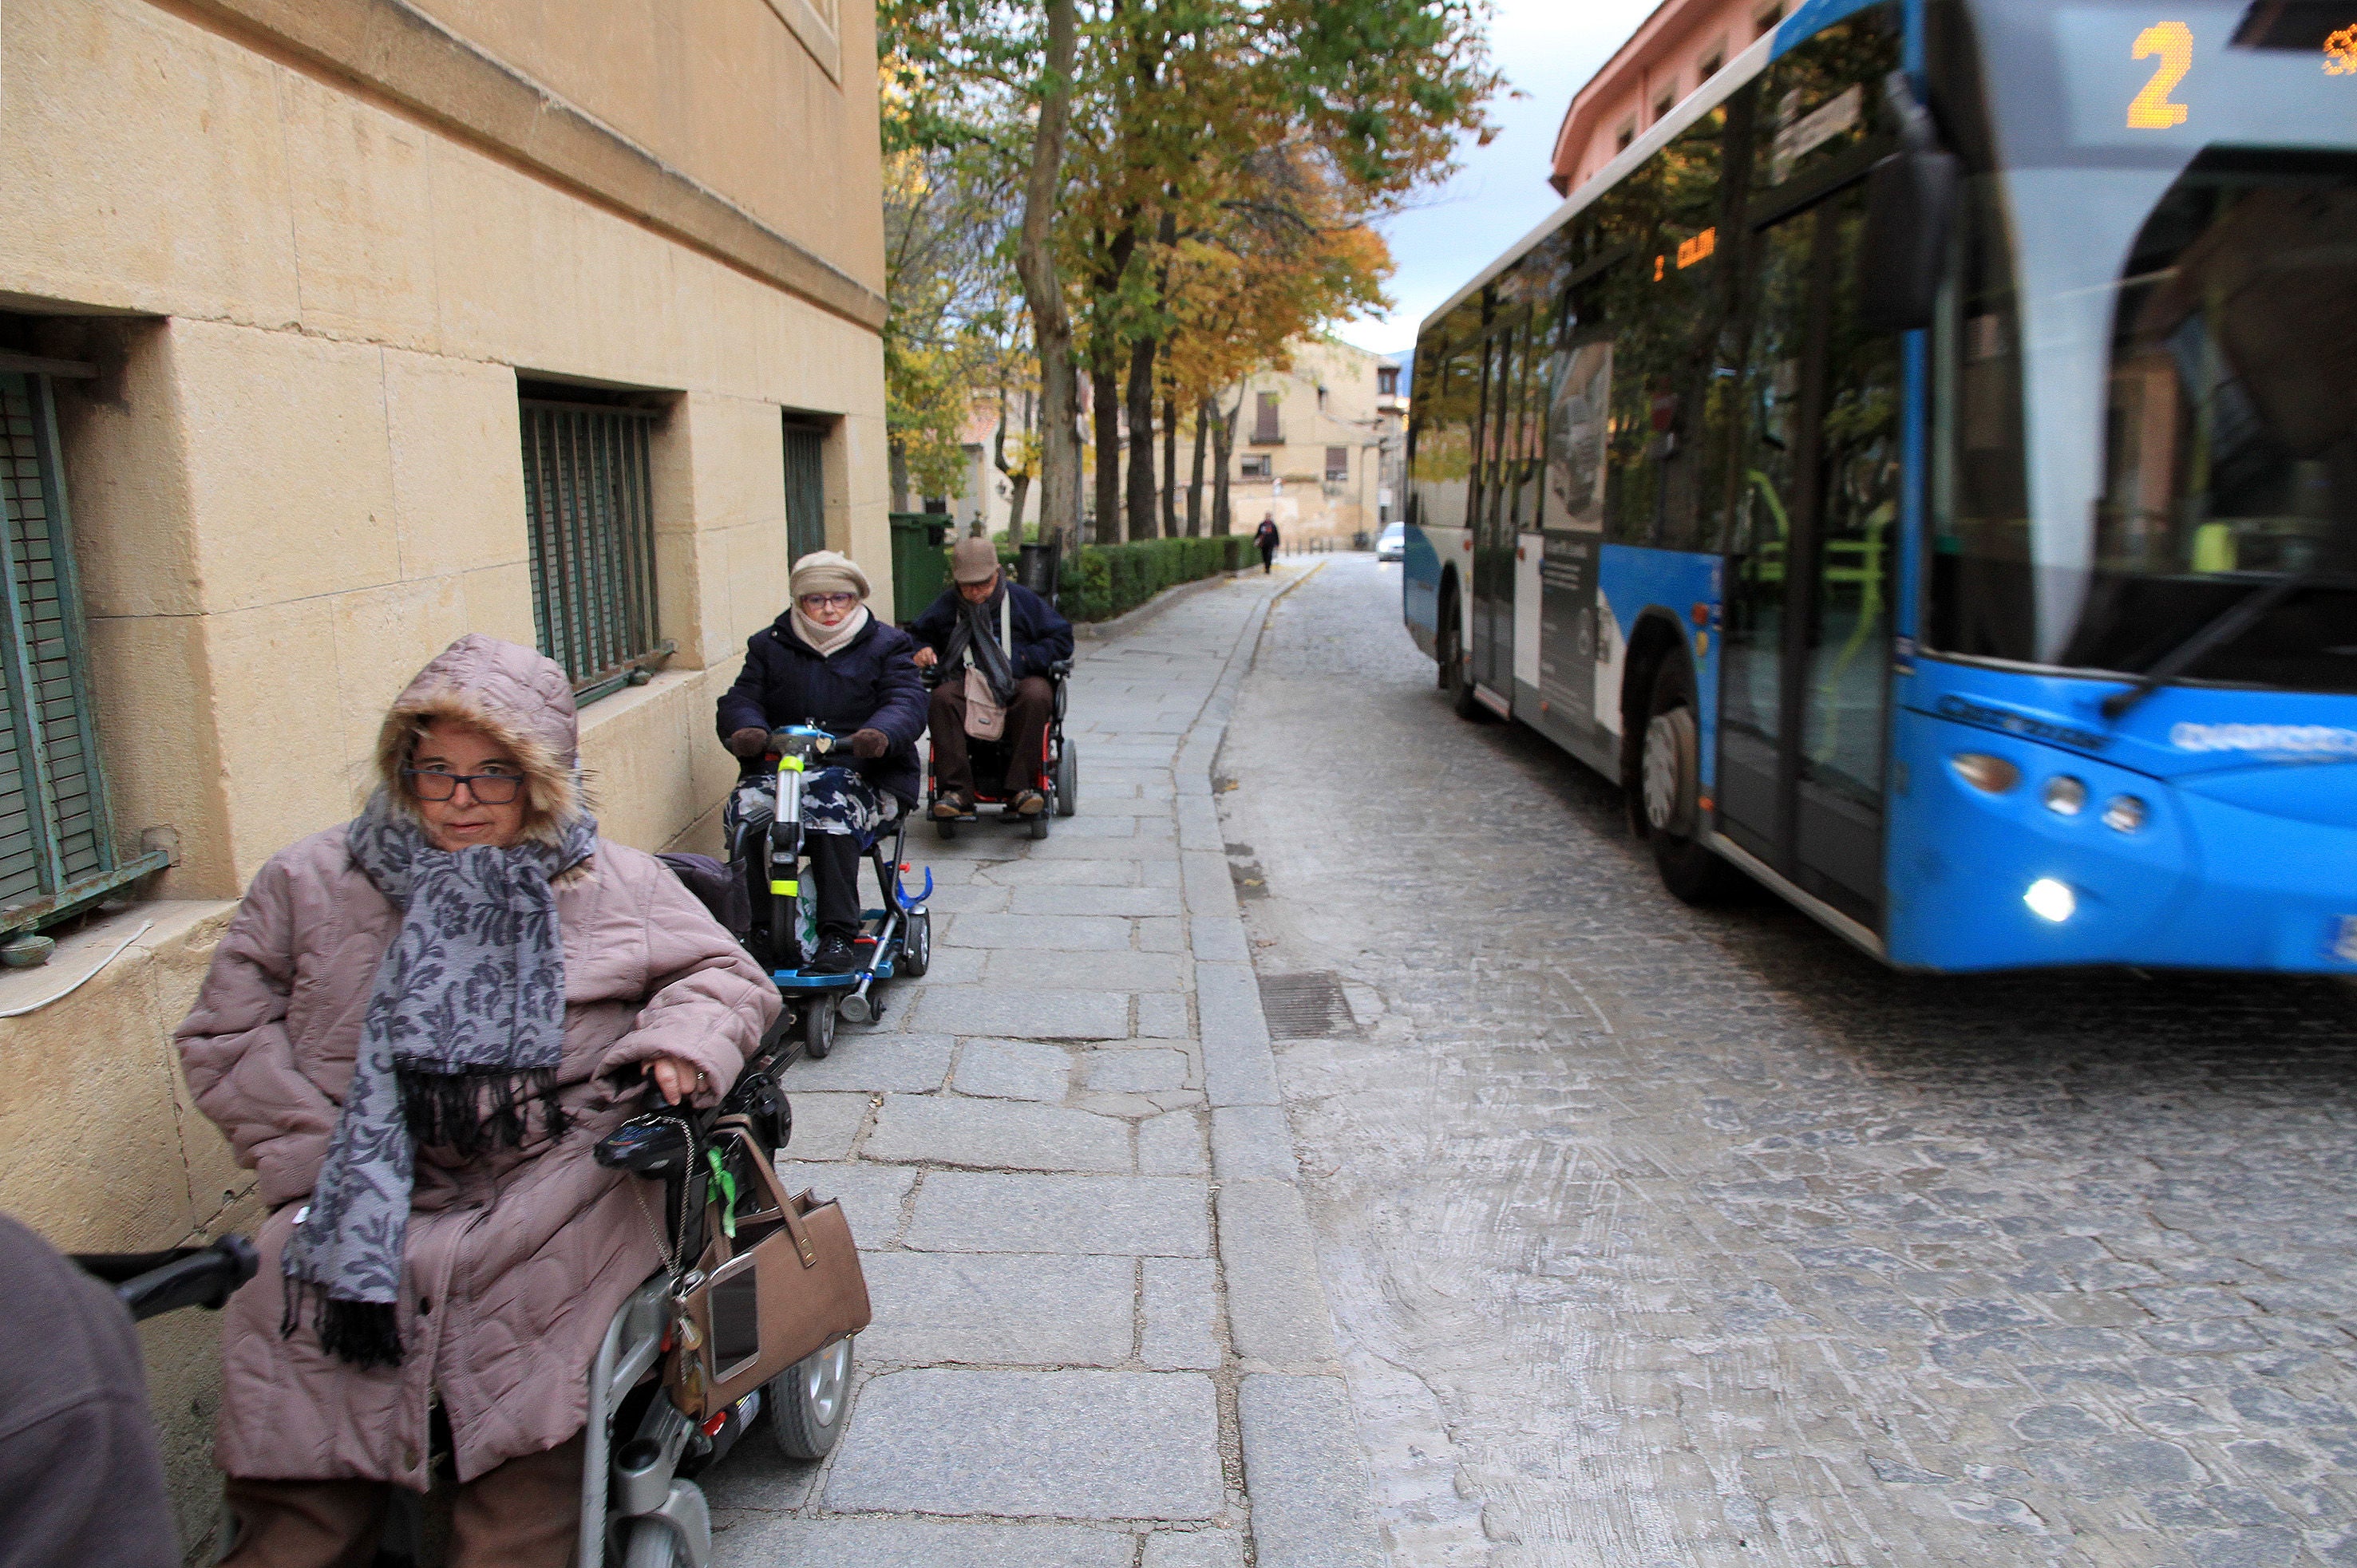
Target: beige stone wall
(297, 474)
(1353, 417)
(647, 70)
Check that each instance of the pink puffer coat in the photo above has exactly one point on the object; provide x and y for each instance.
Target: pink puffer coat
(515, 1261)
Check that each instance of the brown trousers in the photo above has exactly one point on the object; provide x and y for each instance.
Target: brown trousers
(525, 1513)
(1027, 727)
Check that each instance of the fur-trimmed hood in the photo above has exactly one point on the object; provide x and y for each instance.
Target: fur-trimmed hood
(511, 693)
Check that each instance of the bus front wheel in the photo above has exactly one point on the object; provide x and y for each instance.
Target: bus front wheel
(1670, 782)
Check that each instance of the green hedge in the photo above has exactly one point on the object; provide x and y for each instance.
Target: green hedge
(1103, 581)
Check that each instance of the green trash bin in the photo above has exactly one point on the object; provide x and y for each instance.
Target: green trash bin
(921, 562)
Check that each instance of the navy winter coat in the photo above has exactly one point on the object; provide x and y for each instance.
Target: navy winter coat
(1042, 636)
(871, 683)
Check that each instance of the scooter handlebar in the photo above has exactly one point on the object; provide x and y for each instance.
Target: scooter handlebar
(152, 1284)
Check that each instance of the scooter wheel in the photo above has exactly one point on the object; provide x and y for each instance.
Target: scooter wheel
(916, 948)
(818, 1026)
(653, 1543)
(809, 1400)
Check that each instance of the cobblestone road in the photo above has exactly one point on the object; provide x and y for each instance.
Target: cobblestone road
(1664, 1237)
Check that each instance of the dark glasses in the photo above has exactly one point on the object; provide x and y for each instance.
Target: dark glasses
(490, 788)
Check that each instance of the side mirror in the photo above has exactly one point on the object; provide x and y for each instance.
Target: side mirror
(1910, 206)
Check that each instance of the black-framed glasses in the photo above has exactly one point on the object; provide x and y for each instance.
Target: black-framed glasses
(829, 601)
(490, 788)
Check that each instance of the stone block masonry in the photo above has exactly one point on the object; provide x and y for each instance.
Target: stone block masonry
(1100, 1337)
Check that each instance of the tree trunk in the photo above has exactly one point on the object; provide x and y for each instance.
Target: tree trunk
(1104, 394)
(1014, 509)
(899, 477)
(998, 458)
(1141, 439)
(1195, 485)
(1043, 290)
(1223, 443)
(1169, 466)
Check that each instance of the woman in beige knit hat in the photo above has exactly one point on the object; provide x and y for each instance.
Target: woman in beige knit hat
(828, 661)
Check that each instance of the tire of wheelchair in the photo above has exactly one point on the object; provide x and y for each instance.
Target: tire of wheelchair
(1068, 781)
(808, 1403)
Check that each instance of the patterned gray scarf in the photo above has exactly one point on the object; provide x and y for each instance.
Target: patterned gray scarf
(464, 1030)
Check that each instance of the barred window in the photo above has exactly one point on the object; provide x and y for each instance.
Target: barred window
(56, 843)
(588, 500)
(1253, 467)
(1338, 462)
(805, 490)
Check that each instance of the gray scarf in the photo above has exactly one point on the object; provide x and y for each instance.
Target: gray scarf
(977, 632)
(464, 1030)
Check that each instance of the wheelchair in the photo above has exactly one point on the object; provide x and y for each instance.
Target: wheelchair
(895, 940)
(1060, 766)
(705, 1346)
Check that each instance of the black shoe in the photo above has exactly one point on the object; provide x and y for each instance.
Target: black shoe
(835, 955)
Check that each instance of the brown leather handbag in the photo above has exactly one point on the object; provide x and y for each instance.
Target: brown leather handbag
(785, 1286)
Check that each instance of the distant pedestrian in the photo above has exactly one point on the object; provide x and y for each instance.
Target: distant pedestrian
(1266, 537)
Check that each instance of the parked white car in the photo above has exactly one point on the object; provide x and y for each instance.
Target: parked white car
(1392, 543)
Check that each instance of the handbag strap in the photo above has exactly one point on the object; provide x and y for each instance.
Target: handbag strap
(795, 1207)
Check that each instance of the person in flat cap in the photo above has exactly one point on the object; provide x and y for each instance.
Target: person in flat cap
(1007, 638)
(828, 662)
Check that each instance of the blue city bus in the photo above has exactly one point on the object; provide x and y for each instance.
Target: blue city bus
(1923, 472)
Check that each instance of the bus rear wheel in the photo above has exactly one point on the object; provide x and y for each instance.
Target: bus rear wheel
(1670, 784)
(1455, 674)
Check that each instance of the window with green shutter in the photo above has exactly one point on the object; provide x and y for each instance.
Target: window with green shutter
(58, 851)
(805, 489)
(588, 498)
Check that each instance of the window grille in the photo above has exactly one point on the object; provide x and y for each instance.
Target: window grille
(588, 502)
(805, 490)
(1255, 467)
(56, 842)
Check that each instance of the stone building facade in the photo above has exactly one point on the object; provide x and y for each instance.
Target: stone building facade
(1318, 445)
(330, 331)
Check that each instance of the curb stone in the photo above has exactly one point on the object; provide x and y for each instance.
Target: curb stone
(1306, 1475)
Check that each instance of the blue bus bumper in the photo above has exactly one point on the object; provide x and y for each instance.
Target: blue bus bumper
(2242, 863)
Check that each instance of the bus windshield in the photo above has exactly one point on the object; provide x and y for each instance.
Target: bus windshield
(2152, 378)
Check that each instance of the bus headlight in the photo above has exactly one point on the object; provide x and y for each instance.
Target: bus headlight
(1990, 774)
(2051, 900)
(2065, 796)
(2124, 813)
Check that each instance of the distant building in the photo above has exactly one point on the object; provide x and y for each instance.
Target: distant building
(1318, 446)
(1681, 45)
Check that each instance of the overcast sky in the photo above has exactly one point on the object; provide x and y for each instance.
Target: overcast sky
(1547, 50)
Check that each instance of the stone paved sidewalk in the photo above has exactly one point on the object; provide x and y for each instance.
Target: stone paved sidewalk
(1100, 1338)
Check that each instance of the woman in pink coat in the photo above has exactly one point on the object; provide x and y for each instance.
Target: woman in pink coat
(415, 1030)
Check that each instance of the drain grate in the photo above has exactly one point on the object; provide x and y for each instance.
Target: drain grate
(1305, 1006)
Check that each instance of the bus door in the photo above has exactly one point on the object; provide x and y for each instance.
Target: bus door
(1493, 509)
(1806, 660)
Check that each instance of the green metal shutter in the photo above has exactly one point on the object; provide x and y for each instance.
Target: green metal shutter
(57, 846)
(805, 490)
(589, 505)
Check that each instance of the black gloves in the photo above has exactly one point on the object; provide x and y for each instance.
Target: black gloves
(749, 741)
(868, 745)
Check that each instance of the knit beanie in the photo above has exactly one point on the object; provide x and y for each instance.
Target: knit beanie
(828, 572)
